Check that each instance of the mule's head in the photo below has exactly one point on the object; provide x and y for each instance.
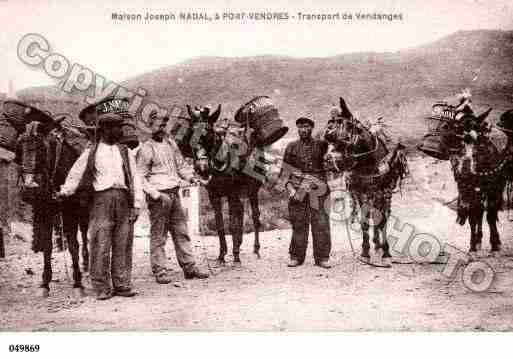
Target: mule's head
(222, 151)
(196, 131)
(198, 136)
(348, 140)
(474, 146)
(467, 132)
(33, 145)
(202, 121)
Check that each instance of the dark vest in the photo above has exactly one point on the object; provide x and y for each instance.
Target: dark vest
(307, 159)
(85, 187)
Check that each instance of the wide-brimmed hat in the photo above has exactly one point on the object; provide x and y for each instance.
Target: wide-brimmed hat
(505, 123)
(108, 105)
(305, 121)
(19, 114)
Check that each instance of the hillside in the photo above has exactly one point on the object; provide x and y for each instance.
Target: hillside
(400, 86)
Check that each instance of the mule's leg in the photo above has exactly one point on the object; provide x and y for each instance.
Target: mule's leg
(255, 213)
(84, 227)
(47, 270)
(473, 221)
(42, 228)
(364, 223)
(492, 218)
(216, 203)
(479, 229)
(375, 237)
(70, 220)
(73, 247)
(385, 245)
(236, 211)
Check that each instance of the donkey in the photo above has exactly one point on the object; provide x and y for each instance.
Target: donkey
(373, 174)
(46, 158)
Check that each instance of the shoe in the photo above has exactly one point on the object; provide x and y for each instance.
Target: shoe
(103, 295)
(125, 293)
(163, 278)
(293, 263)
(195, 273)
(324, 264)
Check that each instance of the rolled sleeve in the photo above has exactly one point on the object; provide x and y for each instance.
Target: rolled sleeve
(143, 166)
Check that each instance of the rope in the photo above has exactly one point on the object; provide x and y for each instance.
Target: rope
(354, 274)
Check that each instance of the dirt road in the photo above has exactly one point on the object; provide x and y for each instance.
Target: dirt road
(266, 295)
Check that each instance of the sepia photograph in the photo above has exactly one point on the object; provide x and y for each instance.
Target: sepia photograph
(272, 166)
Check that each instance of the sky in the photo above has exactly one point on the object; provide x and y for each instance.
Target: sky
(85, 33)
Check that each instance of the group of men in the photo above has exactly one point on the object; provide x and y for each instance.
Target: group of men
(116, 181)
(119, 182)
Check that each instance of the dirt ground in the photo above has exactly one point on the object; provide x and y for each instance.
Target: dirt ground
(267, 295)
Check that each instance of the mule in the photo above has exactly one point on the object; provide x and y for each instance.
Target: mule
(46, 158)
(481, 172)
(219, 157)
(373, 172)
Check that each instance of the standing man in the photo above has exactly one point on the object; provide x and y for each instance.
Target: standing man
(107, 172)
(308, 191)
(162, 168)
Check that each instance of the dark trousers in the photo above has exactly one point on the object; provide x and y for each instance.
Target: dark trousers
(302, 216)
(111, 242)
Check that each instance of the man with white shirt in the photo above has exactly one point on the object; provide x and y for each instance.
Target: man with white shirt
(162, 169)
(107, 171)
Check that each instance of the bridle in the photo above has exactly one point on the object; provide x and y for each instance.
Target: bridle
(353, 138)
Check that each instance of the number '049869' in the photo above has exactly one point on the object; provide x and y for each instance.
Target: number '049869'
(28, 348)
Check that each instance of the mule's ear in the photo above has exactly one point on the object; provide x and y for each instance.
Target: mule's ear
(344, 109)
(214, 116)
(189, 111)
(484, 115)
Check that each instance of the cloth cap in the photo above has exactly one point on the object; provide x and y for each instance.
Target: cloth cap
(304, 121)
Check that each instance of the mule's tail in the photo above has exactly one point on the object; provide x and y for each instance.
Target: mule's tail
(398, 167)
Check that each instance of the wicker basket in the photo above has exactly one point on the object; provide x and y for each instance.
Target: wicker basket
(433, 145)
(8, 135)
(261, 115)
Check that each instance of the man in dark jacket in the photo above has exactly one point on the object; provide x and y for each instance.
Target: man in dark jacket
(308, 192)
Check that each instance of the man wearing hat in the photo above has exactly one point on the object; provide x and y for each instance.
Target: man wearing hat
(162, 169)
(306, 156)
(107, 171)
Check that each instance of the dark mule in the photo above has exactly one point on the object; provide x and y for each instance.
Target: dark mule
(46, 158)
(481, 173)
(373, 174)
(219, 159)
